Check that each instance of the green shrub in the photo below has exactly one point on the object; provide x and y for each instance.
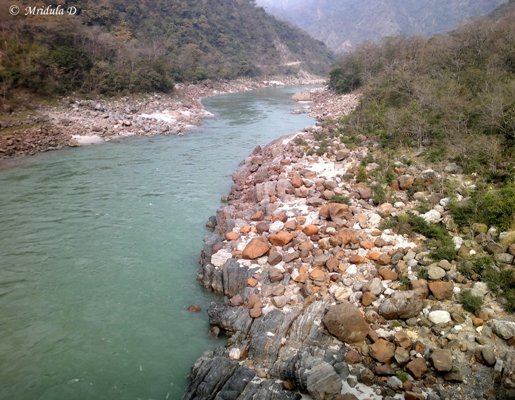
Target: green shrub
(340, 199)
(491, 207)
(402, 375)
(300, 141)
(405, 283)
(470, 302)
(422, 273)
(362, 174)
(379, 196)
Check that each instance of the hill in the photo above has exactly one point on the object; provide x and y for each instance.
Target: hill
(451, 97)
(122, 46)
(344, 24)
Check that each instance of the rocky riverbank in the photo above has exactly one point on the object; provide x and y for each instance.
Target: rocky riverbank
(75, 122)
(332, 291)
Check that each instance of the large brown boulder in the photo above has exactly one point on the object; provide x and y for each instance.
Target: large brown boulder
(346, 322)
(256, 248)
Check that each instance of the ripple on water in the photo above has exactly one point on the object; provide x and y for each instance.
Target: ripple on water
(98, 250)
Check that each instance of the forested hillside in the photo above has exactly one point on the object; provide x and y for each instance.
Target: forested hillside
(453, 95)
(114, 46)
(343, 24)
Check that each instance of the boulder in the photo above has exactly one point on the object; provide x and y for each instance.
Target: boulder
(382, 350)
(439, 317)
(435, 272)
(442, 360)
(503, 329)
(401, 305)
(311, 230)
(281, 238)
(441, 290)
(256, 248)
(346, 322)
(405, 182)
(417, 368)
(336, 212)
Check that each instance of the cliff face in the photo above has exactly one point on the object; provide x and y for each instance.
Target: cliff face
(344, 24)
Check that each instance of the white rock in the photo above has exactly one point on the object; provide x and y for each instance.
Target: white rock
(439, 317)
(374, 219)
(83, 140)
(445, 202)
(276, 226)
(432, 217)
(352, 270)
(458, 242)
(220, 258)
(234, 353)
(342, 293)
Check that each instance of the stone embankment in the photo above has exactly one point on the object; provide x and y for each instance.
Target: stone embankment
(324, 301)
(75, 122)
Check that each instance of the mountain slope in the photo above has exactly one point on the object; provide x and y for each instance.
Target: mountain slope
(114, 46)
(343, 24)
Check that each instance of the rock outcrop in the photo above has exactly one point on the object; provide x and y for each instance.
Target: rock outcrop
(323, 296)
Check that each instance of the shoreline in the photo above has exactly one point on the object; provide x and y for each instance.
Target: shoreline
(321, 299)
(77, 122)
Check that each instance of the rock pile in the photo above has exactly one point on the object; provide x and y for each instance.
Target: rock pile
(74, 122)
(323, 299)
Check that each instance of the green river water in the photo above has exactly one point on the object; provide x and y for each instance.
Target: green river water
(98, 255)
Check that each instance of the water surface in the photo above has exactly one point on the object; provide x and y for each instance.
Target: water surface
(98, 255)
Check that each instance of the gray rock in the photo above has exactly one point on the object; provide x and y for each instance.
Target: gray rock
(503, 329)
(488, 356)
(322, 380)
(435, 273)
(401, 305)
(374, 286)
(208, 376)
(234, 277)
(394, 383)
(504, 258)
(266, 335)
(507, 383)
(442, 360)
(230, 319)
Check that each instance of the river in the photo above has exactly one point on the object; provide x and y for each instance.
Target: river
(98, 255)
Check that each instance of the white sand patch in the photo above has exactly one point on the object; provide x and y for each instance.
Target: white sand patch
(327, 169)
(289, 139)
(164, 116)
(84, 140)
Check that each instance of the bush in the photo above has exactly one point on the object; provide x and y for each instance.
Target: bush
(362, 174)
(379, 195)
(402, 375)
(439, 241)
(470, 302)
(340, 199)
(491, 207)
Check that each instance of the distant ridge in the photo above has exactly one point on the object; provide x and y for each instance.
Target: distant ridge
(342, 24)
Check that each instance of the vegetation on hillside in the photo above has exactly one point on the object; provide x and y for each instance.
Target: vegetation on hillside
(449, 100)
(122, 46)
(453, 95)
